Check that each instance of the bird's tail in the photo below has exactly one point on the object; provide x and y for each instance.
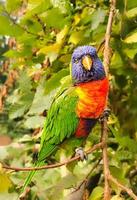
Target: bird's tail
(30, 176)
(42, 155)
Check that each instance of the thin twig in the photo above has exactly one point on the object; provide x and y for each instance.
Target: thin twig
(95, 147)
(86, 178)
(43, 25)
(124, 188)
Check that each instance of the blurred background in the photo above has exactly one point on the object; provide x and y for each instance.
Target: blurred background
(37, 38)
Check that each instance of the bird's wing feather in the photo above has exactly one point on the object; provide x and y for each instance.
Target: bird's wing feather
(61, 122)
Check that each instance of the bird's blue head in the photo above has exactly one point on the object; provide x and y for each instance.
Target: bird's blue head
(86, 66)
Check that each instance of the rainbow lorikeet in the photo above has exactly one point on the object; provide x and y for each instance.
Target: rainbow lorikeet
(76, 108)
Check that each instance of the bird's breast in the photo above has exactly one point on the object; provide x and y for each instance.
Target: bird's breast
(92, 98)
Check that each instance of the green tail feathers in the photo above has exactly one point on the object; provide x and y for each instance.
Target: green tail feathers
(46, 150)
(30, 176)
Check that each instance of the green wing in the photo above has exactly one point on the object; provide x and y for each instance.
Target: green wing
(61, 122)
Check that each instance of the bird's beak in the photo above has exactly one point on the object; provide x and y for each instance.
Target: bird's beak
(87, 62)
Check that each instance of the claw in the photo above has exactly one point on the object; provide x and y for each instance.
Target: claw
(80, 152)
(105, 115)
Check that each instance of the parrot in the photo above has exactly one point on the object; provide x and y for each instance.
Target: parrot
(77, 107)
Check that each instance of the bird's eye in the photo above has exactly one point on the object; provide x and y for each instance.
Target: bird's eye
(76, 60)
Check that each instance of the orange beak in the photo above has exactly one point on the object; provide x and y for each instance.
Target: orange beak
(87, 62)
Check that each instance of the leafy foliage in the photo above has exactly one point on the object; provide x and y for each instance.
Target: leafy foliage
(37, 38)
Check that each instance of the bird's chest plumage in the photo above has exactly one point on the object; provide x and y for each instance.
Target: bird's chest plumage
(92, 98)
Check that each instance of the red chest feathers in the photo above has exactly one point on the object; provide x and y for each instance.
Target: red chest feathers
(92, 98)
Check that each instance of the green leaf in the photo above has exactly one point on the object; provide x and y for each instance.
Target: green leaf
(45, 93)
(8, 28)
(5, 182)
(54, 81)
(62, 34)
(51, 51)
(34, 122)
(130, 52)
(97, 193)
(41, 101)
(51, 16)
(132, 38)
(131, 4)
(97, 18)
(116, 61)
(120, 4)
(8, 196)
(16, 110)
(98, 33)
(131, 13)
(1, 7)
(117, 197)
(32, 25)
(24, 81)
(37, 7)
(65, 182)
(127, 142)
(23, 104)
(25, 138)
(64, 5)
(35, 2)
(12, 54)
(119, 174)
(76, 37)
(3, 153)
(124, 155)
(12, 5)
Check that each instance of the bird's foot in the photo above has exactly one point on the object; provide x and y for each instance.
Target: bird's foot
(80, 152)
(105, 115)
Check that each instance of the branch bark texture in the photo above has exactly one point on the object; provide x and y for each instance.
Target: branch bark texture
(107, 57)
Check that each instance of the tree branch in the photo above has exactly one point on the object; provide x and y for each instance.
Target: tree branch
(107, 192)
(107, 54)
(107, 51)
(95, 147)
(124, 188)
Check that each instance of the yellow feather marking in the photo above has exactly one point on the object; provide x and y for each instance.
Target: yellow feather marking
(81, 93)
